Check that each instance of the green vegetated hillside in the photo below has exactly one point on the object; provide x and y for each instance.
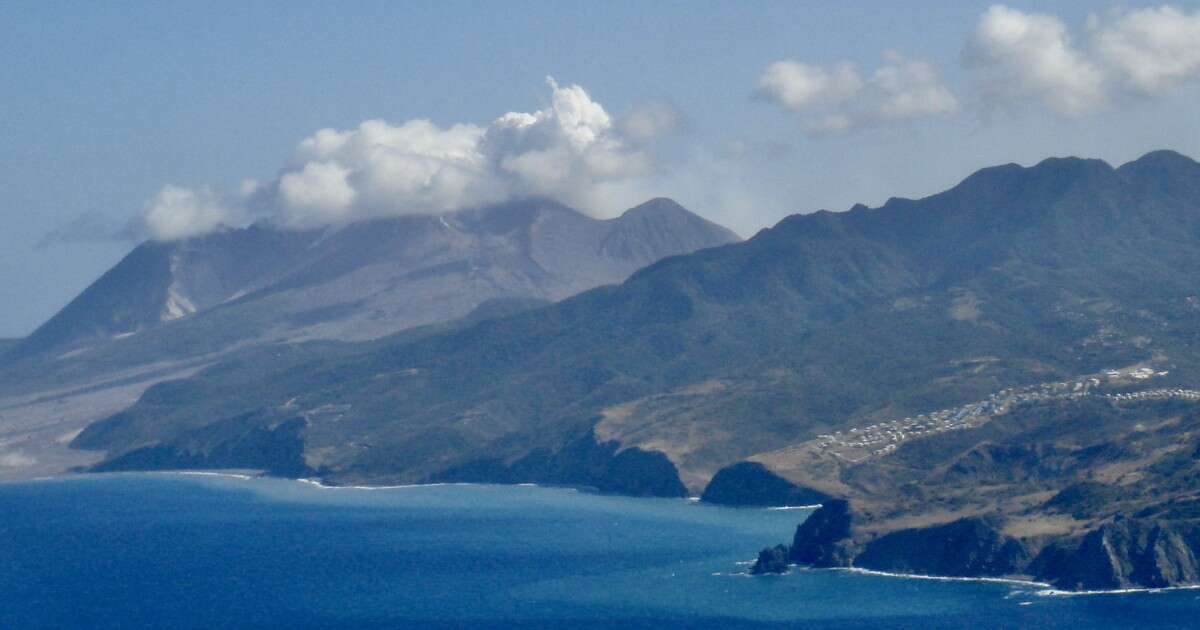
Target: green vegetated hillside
(1016, 276)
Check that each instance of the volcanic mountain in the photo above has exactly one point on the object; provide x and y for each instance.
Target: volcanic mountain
(373, 278)
(169, 308)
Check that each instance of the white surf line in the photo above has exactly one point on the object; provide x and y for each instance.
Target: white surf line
(1042, 589)
(912, 576)
(316, 483)
(795, 507)
(941, 578)
(42, 479)
(203, 473)
(1053, 592)
(1046, 590)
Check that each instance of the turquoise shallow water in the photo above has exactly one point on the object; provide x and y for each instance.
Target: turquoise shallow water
(176, 551)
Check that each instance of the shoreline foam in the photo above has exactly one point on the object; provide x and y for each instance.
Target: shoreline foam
(1041, 589)
(943, 578)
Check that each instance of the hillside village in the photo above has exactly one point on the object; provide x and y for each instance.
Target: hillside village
(859, 444)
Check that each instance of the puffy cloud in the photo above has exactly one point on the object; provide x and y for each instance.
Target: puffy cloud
(1019, 59)
(838, 98)
(177, 212)
(572, 151)
(565, 151)
(316, 195)
(379, 169)
(1151, 50)
(800, 86)
(1026, 56)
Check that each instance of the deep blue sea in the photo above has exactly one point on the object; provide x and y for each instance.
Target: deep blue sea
(176, 551)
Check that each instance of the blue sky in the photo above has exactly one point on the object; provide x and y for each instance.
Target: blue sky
(105, 103)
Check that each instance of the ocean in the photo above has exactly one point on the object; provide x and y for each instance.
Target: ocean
(206, 551)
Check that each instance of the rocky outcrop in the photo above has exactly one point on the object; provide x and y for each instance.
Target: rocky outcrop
(823, 540)
(1126, 553)
(966, 547)
(753, 484)
(771, 560)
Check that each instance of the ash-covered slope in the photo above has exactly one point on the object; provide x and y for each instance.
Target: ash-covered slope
(368, 279)
(827, 321)
(161, 282)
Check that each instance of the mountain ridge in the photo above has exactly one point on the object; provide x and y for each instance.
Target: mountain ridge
(739, 331)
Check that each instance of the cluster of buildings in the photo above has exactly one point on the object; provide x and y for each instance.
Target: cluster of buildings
(1139, 374)
(882, 438)
(1156, 394)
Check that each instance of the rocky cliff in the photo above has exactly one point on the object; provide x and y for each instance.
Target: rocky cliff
(752, 484)
(1125, 553)
(1121, 554)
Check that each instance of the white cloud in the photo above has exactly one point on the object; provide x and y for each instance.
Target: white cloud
(838, 98)
(565, 151)
(910, 89)
(177, 212)
(571, 151)
(800, 86)
(318, 194)
(1151, 50)
(1024, 56)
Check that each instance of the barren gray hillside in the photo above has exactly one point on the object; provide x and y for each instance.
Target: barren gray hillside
(373, 278)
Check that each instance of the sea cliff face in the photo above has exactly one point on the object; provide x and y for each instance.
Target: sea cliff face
(969, 547)
(752, 484)
(823, 540)
(1122, 554)
(1127, 553)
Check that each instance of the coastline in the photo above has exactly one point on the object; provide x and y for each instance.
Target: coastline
(1040, 589)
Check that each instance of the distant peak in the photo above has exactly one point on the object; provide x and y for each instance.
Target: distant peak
(1161, 158)
(657, 205)
(1071, 164)
(1163, 170)
(1010, 176)
(990, 177)
(667, 212)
